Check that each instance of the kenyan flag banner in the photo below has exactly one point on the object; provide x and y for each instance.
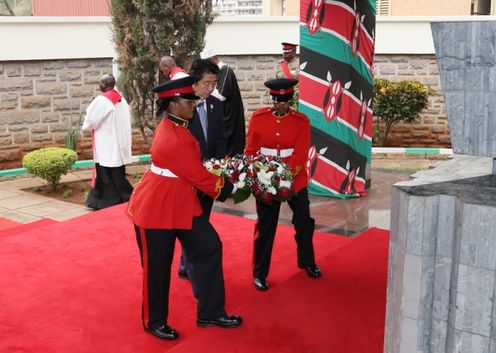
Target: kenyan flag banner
(335, 92)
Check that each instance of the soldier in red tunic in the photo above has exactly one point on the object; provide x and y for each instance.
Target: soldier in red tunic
(281, 131)
(289, 66)
(165, 206)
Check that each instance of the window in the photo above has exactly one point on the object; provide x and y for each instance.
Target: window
(382, 7)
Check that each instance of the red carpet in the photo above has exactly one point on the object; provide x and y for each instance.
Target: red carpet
(75, 286)
(6, 223)
(18, 228)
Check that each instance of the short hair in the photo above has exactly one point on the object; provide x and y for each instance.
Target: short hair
(166, 60)
(108, 80)
(200, 67)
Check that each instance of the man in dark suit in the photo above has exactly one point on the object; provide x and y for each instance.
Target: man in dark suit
(229, 94)
(208, 122)
(207, 126)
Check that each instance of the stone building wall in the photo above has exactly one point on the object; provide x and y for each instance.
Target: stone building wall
(38, 97)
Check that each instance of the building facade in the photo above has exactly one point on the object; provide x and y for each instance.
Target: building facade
(435, 8)
(256, 7)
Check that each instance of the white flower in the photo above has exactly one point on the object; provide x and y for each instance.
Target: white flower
(272, 190)
(241, 182)
(285, 184)
(264, 177)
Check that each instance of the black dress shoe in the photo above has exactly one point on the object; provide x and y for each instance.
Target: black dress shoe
(223, 321)
(164, 332)
(313, 271)
(260, 284)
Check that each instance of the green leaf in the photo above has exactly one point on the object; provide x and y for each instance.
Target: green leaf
(241, 195)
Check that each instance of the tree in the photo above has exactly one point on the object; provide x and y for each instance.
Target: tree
(7, 7)
(398, 101)
(16, 8)
(144, 31)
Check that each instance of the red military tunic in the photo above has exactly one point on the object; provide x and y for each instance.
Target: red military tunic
(282, 132)
(168, 202)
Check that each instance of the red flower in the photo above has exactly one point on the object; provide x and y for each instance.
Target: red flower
(284, 192)
(256, 189)
(267, 198)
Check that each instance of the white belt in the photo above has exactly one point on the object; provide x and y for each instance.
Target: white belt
(275, 152)
(162, 171)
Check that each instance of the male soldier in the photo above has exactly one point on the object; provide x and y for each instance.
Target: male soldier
(289, 67)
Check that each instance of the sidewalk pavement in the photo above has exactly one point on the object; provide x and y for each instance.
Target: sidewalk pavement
(345, 216)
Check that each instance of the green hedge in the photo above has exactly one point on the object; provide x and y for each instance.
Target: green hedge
(49, 163)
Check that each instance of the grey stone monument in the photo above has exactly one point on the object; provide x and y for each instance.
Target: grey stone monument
(441, 294)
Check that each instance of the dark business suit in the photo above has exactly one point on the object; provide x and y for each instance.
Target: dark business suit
(213, 147)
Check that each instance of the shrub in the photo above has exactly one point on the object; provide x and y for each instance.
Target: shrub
(398, 101)
(49, 163)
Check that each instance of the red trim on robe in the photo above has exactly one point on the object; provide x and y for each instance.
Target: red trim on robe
(175, 71)
(93, 171)
(113, 96)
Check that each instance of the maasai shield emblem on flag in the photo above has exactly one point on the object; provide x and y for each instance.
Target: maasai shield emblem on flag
(335, 92)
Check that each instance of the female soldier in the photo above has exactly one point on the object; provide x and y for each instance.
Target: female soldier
(280, 131)
(165, 205)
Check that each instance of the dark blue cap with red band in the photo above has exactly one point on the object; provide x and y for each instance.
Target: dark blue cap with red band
(181, 87)
(281, 89)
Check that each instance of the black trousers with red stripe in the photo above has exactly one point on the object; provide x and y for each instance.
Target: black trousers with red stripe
(204, 250)
(265, 231)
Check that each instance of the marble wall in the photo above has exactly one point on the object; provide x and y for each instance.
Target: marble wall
(442, 255)
(467, 67)
(442, 264)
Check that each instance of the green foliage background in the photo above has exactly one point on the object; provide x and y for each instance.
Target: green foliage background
(146, 30)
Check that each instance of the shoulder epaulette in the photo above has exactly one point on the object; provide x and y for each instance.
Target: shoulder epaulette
(262, 111)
